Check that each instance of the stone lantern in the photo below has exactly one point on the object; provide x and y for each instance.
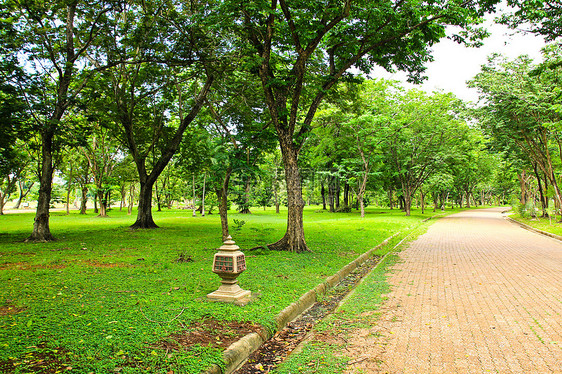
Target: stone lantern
(228, 263)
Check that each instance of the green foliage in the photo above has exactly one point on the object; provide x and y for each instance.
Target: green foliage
(527, 210)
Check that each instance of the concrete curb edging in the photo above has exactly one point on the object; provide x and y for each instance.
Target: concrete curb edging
(531, 228)
(239, 351)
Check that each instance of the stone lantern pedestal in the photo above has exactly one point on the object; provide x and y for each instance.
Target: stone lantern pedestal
(228, 263)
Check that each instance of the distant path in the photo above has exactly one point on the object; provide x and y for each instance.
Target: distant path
(475, 294)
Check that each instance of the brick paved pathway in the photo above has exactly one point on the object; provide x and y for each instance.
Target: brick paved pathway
(475, 294)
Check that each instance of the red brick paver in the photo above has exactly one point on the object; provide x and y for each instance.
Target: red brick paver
(475, 294)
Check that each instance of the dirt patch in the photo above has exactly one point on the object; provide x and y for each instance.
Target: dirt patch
(275, 350)
(41, 360)
(17, 253)
(10, 309)
(209, 332)
(26, 266)
(106, 265)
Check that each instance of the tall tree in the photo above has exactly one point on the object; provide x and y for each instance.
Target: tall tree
(302, 49)
(156, 99)
(418, 138)
(522, 109)
(54, 39)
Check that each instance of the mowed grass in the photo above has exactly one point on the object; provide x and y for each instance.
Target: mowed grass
(101, 297)
(553, 226)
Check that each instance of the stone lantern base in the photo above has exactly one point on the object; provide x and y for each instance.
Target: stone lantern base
(230, 293)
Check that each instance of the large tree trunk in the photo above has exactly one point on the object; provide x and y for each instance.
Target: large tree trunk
(293, 240)
(41, 231)
(144, 215)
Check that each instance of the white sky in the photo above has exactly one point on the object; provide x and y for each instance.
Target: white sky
(455, 64)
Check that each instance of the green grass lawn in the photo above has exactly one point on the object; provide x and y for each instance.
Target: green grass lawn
(101, 297)
(553, 226)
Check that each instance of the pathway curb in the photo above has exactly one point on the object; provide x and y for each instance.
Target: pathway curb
(239, 351)
(531, 228)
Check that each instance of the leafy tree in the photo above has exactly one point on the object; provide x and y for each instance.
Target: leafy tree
(54, 40)
(302, 49)
(154, 100)
(237, 121)
(103, 154)
(418, 138)
(537, 16)
(522, 109)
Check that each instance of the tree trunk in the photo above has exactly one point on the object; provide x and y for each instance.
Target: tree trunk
(275, 192)
(131, 199)
(337, 194)
(102, 204)
(194, 210)
(361, 204)
(158, 196)
(246, 208)
(23, 192)
(331, 193)
(5, 196)
(144, 215)
(544, 200)
(422, 201)
(67, 201)
(203, 196)
(346, 195)
(323, 193)
(84, 200)
(222, 196)
(123, 195)
(406, 199)
(2, 203)
(523, 187)
(41, 231)
(20, 197)
(293, 240)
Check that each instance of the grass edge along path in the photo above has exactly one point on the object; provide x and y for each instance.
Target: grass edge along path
(543, 226)
(323, 351)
